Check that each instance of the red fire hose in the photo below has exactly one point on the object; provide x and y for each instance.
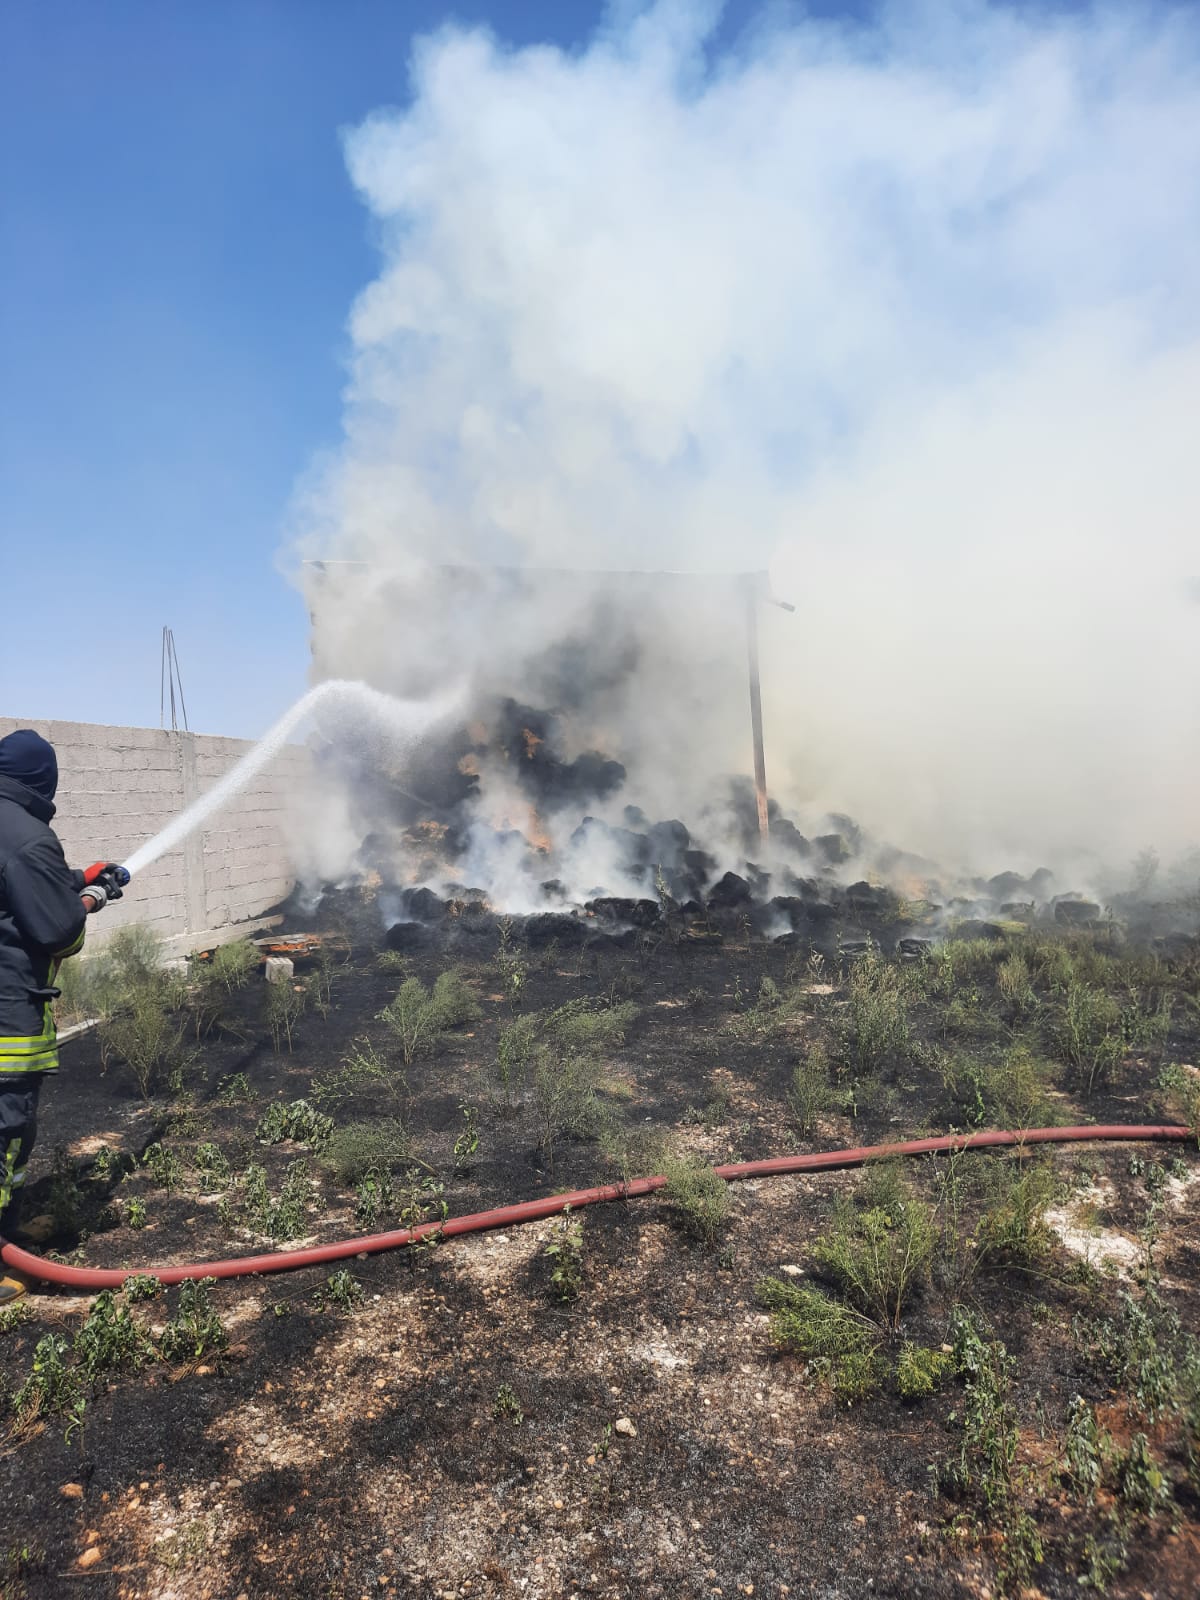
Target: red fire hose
(94, 1278)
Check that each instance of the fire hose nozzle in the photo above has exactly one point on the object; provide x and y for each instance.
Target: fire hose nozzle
(108, 876)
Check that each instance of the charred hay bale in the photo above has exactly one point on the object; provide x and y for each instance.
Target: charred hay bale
(422, 905)
(976, 928)
(833, 848)
(669, 843)
(1007, 886)
(553, 927)
(634, 913)
(622, 939)
(868, 900)
(407, 937)
(1074, 912)
(787, 836)
(730, 893)
(790, 907)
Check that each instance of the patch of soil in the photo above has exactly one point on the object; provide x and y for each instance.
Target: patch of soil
(455, 1433)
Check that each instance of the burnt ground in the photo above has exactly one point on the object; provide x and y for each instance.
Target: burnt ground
(454, 1431)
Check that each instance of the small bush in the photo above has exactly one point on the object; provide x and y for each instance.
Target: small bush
(52, 1388)
(145, 1038)
(514, 1054)
(1012, 1227)
(699, 1198)
(362, 1071)
(341, 1289)
(839, 1345)
(357, 1149)
(141, 1287)
(297, 1122)
(163, 1165)
(564, 1252)
(856, 1377)
(234, 964)
(373, 1197)
(286, 1004)
(879, 1252)
(211, 1163)
(1015, 983)
(508, 1404)
(110, 1340)
(284, 1216)
(1088, 1035)
(1181, 1086)
(810, 1093)
(568, 1068)
(195, 1331)
(419, 1018)
(920, 1371)
(234, 1090)
(136, 1214)
(876, 1031)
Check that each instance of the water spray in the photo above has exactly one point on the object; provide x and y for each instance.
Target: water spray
(361, 709)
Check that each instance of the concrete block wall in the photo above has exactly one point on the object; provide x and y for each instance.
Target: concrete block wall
(119, 786)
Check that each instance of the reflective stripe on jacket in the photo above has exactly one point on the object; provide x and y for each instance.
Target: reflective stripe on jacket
(42, 921)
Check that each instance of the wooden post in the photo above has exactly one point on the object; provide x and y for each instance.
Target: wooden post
(756, 726)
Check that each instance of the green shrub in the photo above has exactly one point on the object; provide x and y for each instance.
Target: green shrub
(419, 1018)
(195, 1331)
(211, 1163)
(875, 1031)
(857, 1376)
(297, 1122)
(234, 964)
(362, 1071)
(1013, 1227)
(879, 1250)
(920, 1371)
(234, 1090)
(568, 1068)
(356, 1149)
(839, 1345)
(341, 1289)
(699, 1198)
(514, 1054)
(163, 1165)
(145, 1037)
(280, 1217)
(1088, 1035)
(1014, 980)
(105, 983)
(136, 1213)
(286, 1002)
(810, 1092)
(110, 1340)
(1181, 1086)
(453, 1000)
(52, 1388)
(564, 1252)
(141, 1287)
(373, 1197)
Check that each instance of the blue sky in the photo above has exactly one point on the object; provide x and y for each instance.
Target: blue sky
(179, 250)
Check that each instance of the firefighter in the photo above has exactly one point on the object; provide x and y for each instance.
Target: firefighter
(43, 911)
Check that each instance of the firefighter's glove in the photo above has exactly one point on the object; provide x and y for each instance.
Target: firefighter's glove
(105, 875)
(98, 895)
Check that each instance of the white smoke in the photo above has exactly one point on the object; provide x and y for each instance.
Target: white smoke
(906, 311)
